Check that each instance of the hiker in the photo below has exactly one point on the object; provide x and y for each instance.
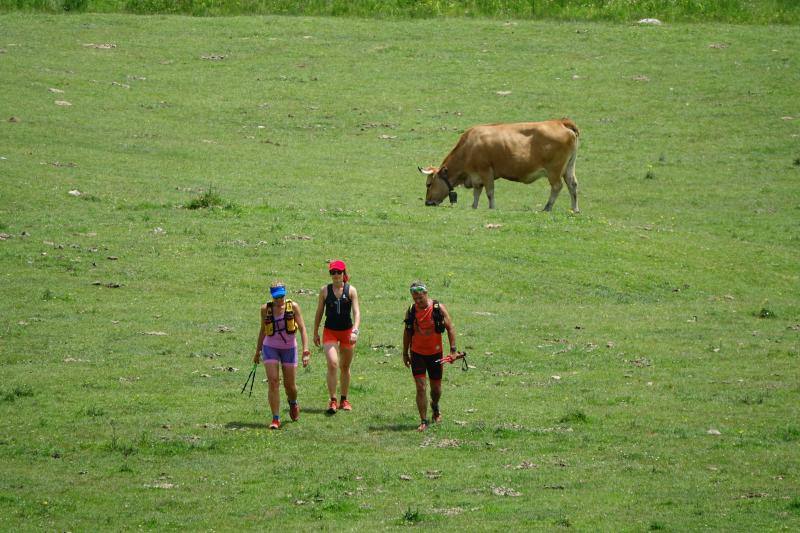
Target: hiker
(425, 322)
(340, 333)
(277, 346)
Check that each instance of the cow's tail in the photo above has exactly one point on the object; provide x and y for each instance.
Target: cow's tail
(568, 123)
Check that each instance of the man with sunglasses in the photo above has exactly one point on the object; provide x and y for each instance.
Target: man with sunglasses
(425, 322)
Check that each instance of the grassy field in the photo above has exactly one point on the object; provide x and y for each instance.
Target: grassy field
(730, 11)
(636, 366)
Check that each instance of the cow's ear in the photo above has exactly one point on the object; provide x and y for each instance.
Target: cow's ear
(443, 172)
(427, 170)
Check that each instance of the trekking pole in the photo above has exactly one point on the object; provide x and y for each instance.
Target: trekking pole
(453, 358)
(251, 379)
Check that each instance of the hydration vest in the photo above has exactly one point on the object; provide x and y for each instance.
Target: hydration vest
(437, 315)
(288, 316)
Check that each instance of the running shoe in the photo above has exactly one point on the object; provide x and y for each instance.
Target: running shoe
(423, 425)
(294, 411)
(437, 417)
(332, 406)
(346, 406)
(276, 424)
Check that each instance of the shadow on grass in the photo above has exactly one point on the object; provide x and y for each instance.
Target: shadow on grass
(393, 427)
(246, 425)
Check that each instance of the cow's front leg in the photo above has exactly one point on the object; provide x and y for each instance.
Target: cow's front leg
(490, 193)
(476, 195)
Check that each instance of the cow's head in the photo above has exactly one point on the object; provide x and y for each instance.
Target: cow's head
(438, 186)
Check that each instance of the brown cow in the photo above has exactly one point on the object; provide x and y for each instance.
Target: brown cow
(522, 152)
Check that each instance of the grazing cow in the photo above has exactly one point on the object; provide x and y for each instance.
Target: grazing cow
(522, 152)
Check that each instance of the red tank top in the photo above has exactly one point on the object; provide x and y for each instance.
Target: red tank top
(425, 341)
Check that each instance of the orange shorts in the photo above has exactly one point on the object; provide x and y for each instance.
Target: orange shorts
(334, 336)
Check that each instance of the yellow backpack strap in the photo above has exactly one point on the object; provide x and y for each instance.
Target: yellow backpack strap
(288, 313)
(269, 324)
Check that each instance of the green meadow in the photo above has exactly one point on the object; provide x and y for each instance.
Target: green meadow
(634, 367)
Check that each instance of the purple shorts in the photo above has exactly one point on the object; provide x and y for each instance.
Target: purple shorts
(284, 356)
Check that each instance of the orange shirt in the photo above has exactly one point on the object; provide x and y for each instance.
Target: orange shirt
(425, 341)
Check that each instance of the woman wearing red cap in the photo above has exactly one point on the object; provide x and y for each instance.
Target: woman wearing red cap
(340, 334)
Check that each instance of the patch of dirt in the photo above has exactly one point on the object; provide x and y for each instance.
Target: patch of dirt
(505, 491)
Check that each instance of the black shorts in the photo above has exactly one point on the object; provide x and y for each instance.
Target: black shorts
(422, 363)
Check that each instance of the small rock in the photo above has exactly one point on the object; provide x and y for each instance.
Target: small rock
(652, 22)
(14, 119)
(503, 93)
(405, 477)
(62, 103)
(75, 192)
(713, 431)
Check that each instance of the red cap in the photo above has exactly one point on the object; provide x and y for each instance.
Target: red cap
(337, 265)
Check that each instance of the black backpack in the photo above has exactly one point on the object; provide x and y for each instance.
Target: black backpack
(438, 318)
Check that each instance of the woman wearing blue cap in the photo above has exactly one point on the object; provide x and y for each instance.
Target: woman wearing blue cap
(277, 346)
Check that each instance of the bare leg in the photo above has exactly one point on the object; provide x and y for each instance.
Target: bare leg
(332, 357)
(274, 380)
(422, 401)
(344, 369)
(436, 391)
(289, 382)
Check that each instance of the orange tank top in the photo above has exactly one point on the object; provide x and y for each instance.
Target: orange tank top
(425, 341)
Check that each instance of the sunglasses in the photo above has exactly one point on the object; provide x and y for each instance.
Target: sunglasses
(418, 289)
(335, 272)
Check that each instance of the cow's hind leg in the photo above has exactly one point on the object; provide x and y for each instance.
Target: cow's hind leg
(572, 182)
(555, 188)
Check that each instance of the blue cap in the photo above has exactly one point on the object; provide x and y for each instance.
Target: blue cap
(277, 292)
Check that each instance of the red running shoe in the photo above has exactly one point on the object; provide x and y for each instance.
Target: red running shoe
(294, 412)
(276, 424)
(346, 406)
(332, 406)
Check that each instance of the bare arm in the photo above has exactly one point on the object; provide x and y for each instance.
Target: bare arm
(318, 316)
(261, 334)
(298, 316)
(451, 329)
(356, 314)
(406, 346)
